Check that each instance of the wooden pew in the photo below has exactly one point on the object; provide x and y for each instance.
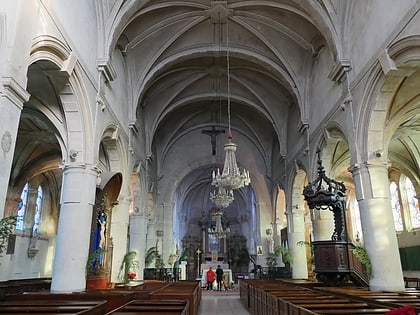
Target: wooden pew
(52, 307)
(113, 298)
(278, 298)
(168, 307)
(181, 290)
(391, 300)
(411, 282)
(18, 286)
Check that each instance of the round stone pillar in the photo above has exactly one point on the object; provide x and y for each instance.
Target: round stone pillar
(296, 234)
(138, 233)
(373, 194)
(119, 227)
(168, 228)
(74, 225)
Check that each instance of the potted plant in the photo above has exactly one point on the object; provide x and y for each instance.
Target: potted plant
(7, 225)
(128, 267)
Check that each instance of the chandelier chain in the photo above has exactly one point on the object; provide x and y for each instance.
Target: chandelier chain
(228, 74)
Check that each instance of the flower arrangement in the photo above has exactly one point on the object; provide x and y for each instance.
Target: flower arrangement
(405, 310)
(131, 275)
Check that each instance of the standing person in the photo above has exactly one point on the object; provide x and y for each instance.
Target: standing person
(219, 277)
(210, 278)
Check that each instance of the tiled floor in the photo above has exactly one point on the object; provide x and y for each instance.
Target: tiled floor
(221, 305)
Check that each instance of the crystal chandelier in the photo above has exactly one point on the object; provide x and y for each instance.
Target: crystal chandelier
(231, 177)
(218, 230)
(222, 198)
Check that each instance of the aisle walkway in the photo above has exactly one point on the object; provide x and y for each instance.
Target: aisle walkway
(221, 305)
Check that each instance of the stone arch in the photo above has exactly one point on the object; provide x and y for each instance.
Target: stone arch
(113, 149)
(65, 74)
(399, 63)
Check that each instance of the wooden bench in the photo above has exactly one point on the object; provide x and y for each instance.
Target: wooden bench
(181, 290)
(411, 282)
(52, 307)
(277, 298)
(113, 298)
(18, 286)
(174, 307)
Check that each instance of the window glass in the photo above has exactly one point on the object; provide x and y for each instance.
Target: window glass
(356, 221)
(413, 204)
(37, 217)
(396, 207)
(22, 208)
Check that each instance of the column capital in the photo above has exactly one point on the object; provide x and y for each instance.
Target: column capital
(14, 92)
(71, 167)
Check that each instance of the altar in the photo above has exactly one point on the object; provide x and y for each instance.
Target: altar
(227, 273)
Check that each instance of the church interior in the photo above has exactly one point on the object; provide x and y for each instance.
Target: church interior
(154, 139)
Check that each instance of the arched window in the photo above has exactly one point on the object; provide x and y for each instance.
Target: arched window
(355, 220)
(22, 208)
(38, 207)
(412, 202)
(26, 203)
(396, 207)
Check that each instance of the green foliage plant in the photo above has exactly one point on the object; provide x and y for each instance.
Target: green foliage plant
(151, 255)
(128, 265)
(279, 250)
(362, 255)
(7, 226)
(91, 266)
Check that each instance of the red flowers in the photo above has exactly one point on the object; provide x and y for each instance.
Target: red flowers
(131, 275)
(405, 310)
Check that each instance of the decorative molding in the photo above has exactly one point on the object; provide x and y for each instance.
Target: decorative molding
(105, 66)
(303, 126)
(69, 63)
(340, 68)
(387, 63)
(14, 92)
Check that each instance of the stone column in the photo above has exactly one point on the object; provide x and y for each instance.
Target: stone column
(74, 225)
(167, 246)
(277, 240)
(373, 195)
(119, 231)
(323, 224)
(138, 232)
(12, 97)
(296, 234)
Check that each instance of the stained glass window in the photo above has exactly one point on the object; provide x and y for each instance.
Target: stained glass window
(396, 207)
(22, 208)
(356, 221)
(38, 207)
(413, 204)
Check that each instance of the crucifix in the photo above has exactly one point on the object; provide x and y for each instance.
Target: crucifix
(213, 133)
(198, 251)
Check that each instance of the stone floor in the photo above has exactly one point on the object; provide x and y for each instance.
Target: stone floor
(221, 304)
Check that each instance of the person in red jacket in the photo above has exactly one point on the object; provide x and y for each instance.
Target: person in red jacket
(210, 278)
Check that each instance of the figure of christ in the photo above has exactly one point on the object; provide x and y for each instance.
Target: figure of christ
(102, 227)
(213, 133)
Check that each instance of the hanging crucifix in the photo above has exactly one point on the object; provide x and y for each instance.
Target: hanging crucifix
(213, 133)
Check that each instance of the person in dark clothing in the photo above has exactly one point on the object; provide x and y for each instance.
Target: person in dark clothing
(219, 277)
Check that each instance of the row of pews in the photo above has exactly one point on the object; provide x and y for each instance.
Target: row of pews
(148, 297)
(278, 297)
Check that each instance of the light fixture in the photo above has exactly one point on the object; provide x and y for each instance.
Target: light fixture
(231, 177)
(218, 230)
(222, 198)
